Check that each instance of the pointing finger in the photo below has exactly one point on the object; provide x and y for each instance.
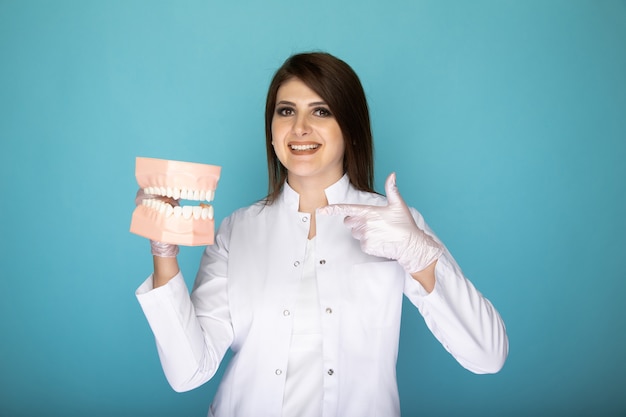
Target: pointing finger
(343, 210)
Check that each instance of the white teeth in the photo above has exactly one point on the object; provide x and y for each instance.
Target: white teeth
(177, 194)
(197, 212)
(181, 193)
(304, 147)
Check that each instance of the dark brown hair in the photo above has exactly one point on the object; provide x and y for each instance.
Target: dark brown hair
(339, 86)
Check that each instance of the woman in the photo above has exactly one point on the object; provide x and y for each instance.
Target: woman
(306, 286)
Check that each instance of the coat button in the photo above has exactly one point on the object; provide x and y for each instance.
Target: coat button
(286, 313)
(329, 310)
(305, 219)
(278, 372)
(323, 262)
(331, 372)
(296, 263)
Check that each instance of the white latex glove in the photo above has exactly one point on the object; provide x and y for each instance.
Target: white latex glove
(389, 231)
(163, 250)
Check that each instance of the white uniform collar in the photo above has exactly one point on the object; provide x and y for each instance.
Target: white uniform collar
(335, 194)
(338, 192)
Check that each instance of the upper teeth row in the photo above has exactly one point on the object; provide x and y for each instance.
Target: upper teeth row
(304, 147)
(181, 193)
(197, 212)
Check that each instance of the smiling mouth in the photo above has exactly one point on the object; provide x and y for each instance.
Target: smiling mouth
(304, 147)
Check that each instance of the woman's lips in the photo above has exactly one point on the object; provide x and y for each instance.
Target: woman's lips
(304, 147)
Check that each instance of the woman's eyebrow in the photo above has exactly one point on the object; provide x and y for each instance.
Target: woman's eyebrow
(313, 104)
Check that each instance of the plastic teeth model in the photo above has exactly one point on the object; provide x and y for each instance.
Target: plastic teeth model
(165, 183)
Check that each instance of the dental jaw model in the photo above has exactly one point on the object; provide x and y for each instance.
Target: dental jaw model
(163, 181)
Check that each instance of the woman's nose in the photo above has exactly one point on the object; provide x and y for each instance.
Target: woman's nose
(301, 125)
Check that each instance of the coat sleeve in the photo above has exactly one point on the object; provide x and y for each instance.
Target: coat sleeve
(194, 332)
(459, 316)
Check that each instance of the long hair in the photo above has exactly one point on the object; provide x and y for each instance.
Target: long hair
(339, 86)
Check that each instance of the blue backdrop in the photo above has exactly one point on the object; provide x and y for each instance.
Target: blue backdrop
(505, 121)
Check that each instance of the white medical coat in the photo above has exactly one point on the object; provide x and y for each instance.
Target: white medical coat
(245, 290)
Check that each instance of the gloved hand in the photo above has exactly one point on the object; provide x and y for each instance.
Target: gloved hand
(389, 231)
(163, 250)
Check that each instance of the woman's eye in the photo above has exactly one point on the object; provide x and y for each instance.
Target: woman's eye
(284, 111)
(322, 112)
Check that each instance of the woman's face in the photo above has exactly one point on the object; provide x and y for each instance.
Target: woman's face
(306, 136)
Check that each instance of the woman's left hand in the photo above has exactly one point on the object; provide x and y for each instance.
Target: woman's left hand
(389, 231)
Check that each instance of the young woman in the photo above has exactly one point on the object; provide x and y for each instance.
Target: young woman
(306, 286)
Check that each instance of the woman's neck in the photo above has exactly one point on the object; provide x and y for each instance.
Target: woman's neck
(312, 195)
(312, 192)
(310, 202)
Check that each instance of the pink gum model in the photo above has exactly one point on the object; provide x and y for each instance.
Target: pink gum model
(164, 179)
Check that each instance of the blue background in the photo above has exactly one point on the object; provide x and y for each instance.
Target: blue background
(505, 121)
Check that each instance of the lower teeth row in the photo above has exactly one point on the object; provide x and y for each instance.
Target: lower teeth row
(187, 212)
